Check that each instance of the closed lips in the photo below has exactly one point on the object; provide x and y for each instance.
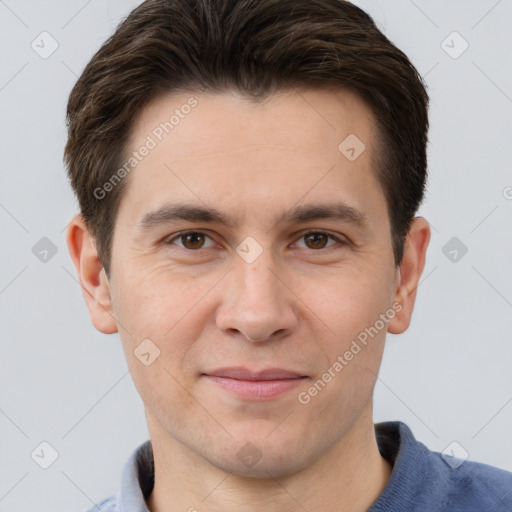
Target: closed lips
(240, 373)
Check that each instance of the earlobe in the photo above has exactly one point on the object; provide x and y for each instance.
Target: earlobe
(409, 273)
(92, 277)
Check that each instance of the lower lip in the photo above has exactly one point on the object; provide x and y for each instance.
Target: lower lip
(256, 389)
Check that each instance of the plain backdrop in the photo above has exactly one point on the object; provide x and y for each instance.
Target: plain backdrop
(63, 383)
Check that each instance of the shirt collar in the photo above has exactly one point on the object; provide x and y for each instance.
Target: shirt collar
(137, 480)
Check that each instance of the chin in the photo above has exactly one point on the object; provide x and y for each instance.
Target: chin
(262, 460)
(263, 469)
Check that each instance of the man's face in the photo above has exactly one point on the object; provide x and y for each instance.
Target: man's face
(260, 294)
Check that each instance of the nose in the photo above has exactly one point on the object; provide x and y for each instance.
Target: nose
(257, 304)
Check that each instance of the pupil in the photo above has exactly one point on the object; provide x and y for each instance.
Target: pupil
(315, 237)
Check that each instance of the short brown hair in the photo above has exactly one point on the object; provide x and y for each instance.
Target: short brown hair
(255, 47)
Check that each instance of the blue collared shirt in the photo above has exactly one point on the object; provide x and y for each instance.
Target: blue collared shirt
(421, 480)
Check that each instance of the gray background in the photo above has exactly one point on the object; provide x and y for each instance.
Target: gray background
(448, 377)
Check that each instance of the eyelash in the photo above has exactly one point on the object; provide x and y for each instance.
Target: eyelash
(169, 241)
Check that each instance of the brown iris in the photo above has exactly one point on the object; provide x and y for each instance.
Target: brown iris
(319, 240)
(193, 240)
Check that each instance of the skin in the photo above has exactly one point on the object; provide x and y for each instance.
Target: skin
(298, 306)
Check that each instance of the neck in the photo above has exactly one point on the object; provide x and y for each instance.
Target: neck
(349, 477)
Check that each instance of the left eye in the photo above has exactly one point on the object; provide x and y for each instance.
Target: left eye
(318, 239)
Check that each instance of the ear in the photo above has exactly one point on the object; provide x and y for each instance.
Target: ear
(409, 273)
(93, 280)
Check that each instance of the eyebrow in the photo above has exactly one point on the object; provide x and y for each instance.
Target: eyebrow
(201, 214)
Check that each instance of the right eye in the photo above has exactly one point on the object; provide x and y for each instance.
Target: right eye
(191, 240)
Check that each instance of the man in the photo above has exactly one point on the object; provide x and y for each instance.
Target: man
(248, 174)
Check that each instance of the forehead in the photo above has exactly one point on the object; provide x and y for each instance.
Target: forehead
(242, 154)
(308, 120)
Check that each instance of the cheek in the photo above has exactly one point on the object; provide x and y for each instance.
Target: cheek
(347, 302)
(156, 303)
(159, 318)
(158, 332)
(353, 354)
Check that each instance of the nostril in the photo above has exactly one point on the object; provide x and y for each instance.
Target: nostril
(274, 335)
